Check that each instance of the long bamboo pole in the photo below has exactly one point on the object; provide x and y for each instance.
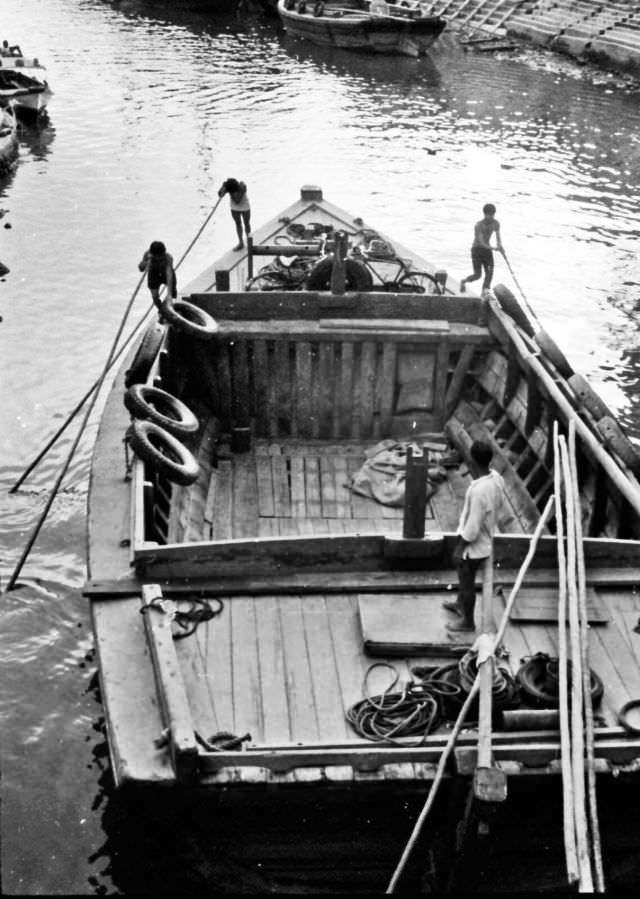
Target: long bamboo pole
(96, 384)
(585, 884)
(596, 849)
(54, 490)
(569, 828)
(457, 727)
(617, 475)
(485, 669)
(63, 427)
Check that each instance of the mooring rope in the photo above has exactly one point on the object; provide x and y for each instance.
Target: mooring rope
(92, 395)
(54, 439)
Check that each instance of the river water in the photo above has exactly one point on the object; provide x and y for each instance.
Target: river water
(153, 108)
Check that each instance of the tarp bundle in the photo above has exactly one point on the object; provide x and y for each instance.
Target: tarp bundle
(382, 475)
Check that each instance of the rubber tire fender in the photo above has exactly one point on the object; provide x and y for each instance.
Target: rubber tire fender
(510, 304)
(553, 353)
(145, 355)
(190, 319)
(358, 277)
(532, 674)
(623, 716)
(154, 404)
(318, 9)
(164, 452)
(616, 440)
(588, 398)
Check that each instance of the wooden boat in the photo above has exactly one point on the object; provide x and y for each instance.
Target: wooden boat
(370, 25)
(8, 137)
(24, 81)
(309, 583)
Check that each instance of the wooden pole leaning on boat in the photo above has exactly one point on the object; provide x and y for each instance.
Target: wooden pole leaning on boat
(569, 827)
(457, 727)
(594, 827)
(54, 439)
(585, 883)
(617, 475)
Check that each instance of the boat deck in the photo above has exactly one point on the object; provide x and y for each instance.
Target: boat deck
(285, 668)
(293, 487)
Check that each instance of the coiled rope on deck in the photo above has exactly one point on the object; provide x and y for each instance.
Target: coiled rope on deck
(419, 706)
(388, 716)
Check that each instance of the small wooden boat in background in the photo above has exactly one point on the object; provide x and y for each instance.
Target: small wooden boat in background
(367, 25)
(24, 81)
(284, 373)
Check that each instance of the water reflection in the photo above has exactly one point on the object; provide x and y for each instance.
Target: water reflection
(36, 137)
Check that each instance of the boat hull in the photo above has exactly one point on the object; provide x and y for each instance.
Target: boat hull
(8, 139)
(293, 561)
(24, 82)
(364, 32)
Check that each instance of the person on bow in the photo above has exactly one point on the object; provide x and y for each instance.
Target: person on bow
(159, 267)
(481, 249)
(239, 205)
(483, 504)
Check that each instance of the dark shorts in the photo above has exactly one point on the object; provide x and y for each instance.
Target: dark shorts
(481, 256)
(155, 279)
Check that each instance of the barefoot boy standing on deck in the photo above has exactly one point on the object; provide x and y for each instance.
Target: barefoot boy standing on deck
(481, 249)
(482, 505)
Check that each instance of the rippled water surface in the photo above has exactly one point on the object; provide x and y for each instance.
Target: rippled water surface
(153, 108)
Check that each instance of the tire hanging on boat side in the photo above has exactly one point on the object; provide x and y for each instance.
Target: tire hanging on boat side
(511, 305)
(553, 353)
(164, 452)
(190, 319)
(616, 440)
(588, 398)
(145, 355)
(162, 408)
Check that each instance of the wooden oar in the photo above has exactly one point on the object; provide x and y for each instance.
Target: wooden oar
(596, 849)
(569, 828)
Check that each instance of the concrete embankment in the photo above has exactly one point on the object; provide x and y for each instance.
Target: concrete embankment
(606, 33)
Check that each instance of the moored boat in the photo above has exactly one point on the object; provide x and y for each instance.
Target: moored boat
(366, 25)
(24, 81)
(8, 137)
(258, 511)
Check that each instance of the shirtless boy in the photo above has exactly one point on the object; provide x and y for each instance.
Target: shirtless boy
(481, 249)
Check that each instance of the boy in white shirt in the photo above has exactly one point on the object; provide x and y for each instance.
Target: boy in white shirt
(482, 506)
